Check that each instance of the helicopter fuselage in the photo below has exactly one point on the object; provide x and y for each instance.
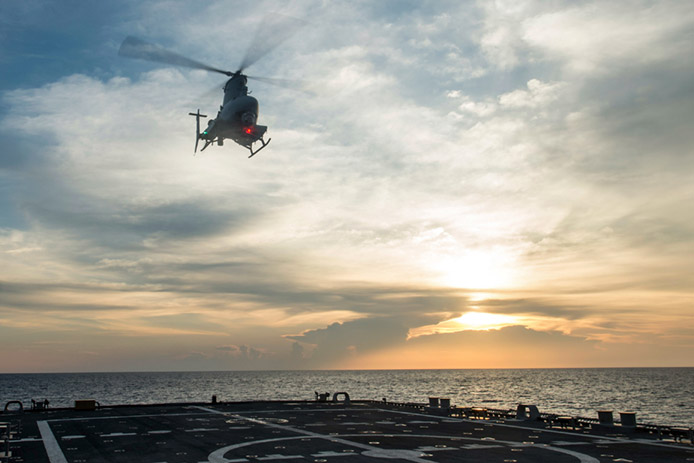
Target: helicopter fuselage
(237, 117)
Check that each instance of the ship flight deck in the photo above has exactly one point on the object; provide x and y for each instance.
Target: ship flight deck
(320, 432)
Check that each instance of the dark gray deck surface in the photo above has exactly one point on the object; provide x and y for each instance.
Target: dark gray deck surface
(313, 432)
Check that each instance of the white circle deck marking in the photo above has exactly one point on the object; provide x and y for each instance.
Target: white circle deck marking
(395, 454)
(218, 455)
(404, 454)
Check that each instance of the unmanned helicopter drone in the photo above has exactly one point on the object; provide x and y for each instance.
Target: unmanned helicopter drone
(237, 118)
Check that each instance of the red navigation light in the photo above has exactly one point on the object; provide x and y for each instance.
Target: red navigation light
(248, 130)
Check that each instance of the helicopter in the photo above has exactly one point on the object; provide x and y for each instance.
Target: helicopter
(237, 118)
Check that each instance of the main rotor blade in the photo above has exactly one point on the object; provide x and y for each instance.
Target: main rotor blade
(132, 47)
(275, 29)
(299, 85)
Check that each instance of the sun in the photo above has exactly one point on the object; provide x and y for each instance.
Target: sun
(475, 321)
(484, 321)
(476, 269)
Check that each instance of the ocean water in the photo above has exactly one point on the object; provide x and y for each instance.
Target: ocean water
(658, 395)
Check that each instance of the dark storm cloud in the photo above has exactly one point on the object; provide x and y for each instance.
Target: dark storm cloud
(245, 278)
(342, 341)
(124, 224)
(356, 337)
(269, 285)
(109, 223)
(48, 195)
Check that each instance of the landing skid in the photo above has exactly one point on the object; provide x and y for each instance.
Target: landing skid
(214, 136)
(265, 143)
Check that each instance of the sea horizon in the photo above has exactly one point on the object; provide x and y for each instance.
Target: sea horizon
(659, 395)
(336, 369)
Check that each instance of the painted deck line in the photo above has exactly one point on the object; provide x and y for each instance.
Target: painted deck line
(55, 454)
(218, 455)
(389, 419)
(368, 450)
(611, 440)
(481, 422)
(121, 417)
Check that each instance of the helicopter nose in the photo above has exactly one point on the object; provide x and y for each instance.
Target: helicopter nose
(248, 119)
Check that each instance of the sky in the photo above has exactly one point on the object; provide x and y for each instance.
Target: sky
(460, 184)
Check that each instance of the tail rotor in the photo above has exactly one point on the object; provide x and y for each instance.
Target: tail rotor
(197, 127)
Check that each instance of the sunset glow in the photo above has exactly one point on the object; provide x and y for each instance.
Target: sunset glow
(477, 269)
(467, 321)
(453, 185)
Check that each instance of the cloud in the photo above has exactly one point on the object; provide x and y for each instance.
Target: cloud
(599, 37)
(243, 351)
(512, 334)
(538, 94)
(526, 150)
(351, 338)
(380, 343)
(506, 347)
(117, 225)
(230, 348)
